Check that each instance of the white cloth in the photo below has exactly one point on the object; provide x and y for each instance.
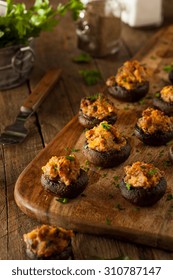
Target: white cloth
(139, 13)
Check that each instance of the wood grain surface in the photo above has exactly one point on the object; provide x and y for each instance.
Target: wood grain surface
(101, 209)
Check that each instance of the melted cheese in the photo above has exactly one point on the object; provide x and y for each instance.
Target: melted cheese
(104, 137)
(98, 108)
(129, 76)
(142, 174)
(47, 240)
(65, 168)
(167, 93)
(154, 120)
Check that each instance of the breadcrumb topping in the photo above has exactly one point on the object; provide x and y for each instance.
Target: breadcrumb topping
(141, 174)
(130, 75)
(153, 120)
(104, 137)
(98, 107)
(167, 93)
(45, 241)
(64, 168)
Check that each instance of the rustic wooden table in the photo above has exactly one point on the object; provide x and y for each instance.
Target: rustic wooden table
(56, 49)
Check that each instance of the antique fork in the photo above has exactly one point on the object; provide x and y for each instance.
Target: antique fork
(16, 132)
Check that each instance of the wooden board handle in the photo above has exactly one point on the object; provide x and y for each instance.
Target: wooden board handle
(41, 90)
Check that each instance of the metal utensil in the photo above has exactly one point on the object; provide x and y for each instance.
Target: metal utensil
(16, 132)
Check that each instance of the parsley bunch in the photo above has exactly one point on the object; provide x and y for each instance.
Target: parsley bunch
(19, 24)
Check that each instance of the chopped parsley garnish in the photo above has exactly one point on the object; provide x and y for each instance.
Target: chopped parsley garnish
(55, 167)
(71, 158)
(82, 58)
(143, 166)
(108, 221)
(157, 94)
(152, 172)
(75, 150)
(168, 68)
(91, 77)
(93, 97)
(128, 186)
(116, 184)
(104, 175)
(106, 126)
(169, 197)
(87, 162)
(115, 178)
(72, 149)
(63, 200)
(119, 207)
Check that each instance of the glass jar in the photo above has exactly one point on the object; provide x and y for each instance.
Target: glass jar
(99, 27)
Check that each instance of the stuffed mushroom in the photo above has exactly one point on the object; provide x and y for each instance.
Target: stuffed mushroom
(63, 176)
(105, 146)
(154, 127)
(143, 184)
(94, 109)
(130, 83)
(164, 100)
(49, 242)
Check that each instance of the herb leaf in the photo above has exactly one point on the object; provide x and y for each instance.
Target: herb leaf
(168, 68)
(71, 158)
(152, 172)
(105, 125)
(157, 94)
(108, 222)
(91, 77)
(62, 200)
(128, 186)
(93, 97)
(82, 58)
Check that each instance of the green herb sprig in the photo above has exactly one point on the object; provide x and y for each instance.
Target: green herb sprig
(152, 172)
(105, 126)
(19, 24)
(91, 77)
(71, 158)
(157, 94)
(82, 58)
(168, 68)
(128, 186)
(62, 200)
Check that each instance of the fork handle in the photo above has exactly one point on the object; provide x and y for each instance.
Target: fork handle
(41, 90)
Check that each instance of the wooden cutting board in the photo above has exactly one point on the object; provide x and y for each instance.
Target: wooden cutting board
(101, 208)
